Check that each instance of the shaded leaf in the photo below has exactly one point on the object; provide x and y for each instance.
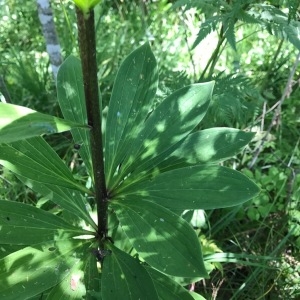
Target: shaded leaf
(197, 187)
(92, 278)
(19, 123)
(123, 277)
(36, 160)
(23, 224)
(131, 101)
(163, 239)
(70, 94)
(68, 199)
(168, 288)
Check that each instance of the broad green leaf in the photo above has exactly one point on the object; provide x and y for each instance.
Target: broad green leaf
(72, 287)
(68, 199)
(70, 94)
(170, 123)
(32, 270)
(36, 160)
(131, 101)
(20, 123)
(163, 239)
(197, 296)
(207, 146)
(124, 278)
(197, 187)
(168, 288)
(6, 249)
(23, 224)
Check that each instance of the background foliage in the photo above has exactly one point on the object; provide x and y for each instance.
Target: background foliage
(249, 48)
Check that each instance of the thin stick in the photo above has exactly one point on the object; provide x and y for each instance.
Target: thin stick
(285, 94)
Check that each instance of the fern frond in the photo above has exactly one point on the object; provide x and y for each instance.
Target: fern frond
(229, 33)
(235, 101)
(170, 82)
(277, 23)
(206, 28)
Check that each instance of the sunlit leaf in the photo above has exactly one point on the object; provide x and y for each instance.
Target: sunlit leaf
(170, 122)
(124, 278)
(197, 187)
(161, 237)
(131, 101)
(72, 287)
(86, 5)
(23, 224)
(19, 123)
(207, 146)
(70, 94)
(32, 270)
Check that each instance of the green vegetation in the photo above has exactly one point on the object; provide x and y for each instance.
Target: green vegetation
(160, 162)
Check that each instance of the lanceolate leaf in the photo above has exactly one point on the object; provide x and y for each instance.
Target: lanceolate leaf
(68, 199)
(168, 288)
(131, 101)
(124, 278)
(32, 270)
(163, 239)
(197, 187)
(36, 160)
(23, 224)
(171, 122)
(70, 96)
(92, 278)
(207, 146)
(19, 123)
(72, 287)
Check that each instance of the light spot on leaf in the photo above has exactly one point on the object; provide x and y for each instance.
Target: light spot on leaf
(74, 282)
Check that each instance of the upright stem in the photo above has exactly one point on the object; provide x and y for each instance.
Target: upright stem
(214, 57)
(87, 46)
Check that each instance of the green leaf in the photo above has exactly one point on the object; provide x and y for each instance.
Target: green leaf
(131, 101)
(36, 160)
(32, 270)
(67, 199)
(197, 187)
(206, 28)
(163, 239)
(22, 224)
(19, 123)
(72, 287)
(196, 296)
(123, 277)
(70, 94)
(170, 123)
(86, 5)
(92, 278)
(207, 146)
(168, 288)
